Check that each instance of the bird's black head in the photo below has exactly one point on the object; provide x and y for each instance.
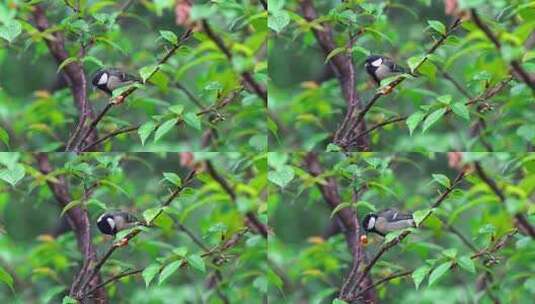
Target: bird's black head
(368, 223)
(100, 80)
(106, 224)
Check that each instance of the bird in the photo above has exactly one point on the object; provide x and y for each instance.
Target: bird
(387, 220)
(112, 222)
(381, 67)
(109, 79)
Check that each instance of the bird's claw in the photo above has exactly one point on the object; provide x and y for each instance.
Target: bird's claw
(117, 100)
(122, 243)
(386, 90)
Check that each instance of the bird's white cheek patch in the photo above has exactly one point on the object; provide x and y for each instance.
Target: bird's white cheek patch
(103, 79)
(111, 222)
(377, 62)
(371, 223)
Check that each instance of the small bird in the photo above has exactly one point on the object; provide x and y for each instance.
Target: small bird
(112, 222)
(110, 79)
(386, 221)
(381, 67)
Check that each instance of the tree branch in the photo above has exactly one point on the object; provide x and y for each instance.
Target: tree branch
(342, 66)
(219, 105)
(522, 222)
(79, 221)
(400, 79)
(134, 233)
(347, 220)
(491, 249)
(515, 65)
(247, 78)
(251, 218)
(73, 72)
(385, 247)
(487, 94)
(120, 99)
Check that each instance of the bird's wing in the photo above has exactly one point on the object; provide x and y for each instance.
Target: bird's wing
(395, 214)
(130, 218)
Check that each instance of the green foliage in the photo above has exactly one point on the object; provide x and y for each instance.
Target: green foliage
(306, 98)
(435, 261)
(38, 108)
(39, 265)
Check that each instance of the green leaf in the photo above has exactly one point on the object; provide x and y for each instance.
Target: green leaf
(275, 5)
(13, 175)
(414, 62)
(340, 207)
(192, 120)
(149, 273)
(437, 26)
(461, 110)
(93, 59)
(4, 137)
(69, 300)
(113, 185)
(168, 271)
(439, 272)
(278, 20)
(334, 52)
(96, 202)
(414, 120)
(450, 253)
(445, 99)
(432, 118)
(51, 293)
(177, 109)
(442, 179)
(124, 233)
(10, 30)
(419, 216)
(467, 264)
(66, 62)
(145, 131)
(173, 178)
(150, 214)
(169, 36)
(392, 235)
(180, 251)
(419, 275)
(282, 176)
(164, 128)
(196, 262)
(366, 205)
(70, 205)
(527, 132)
(333, 148)
(338, 301)
(261, 284)
(6, 277)
(146, 72)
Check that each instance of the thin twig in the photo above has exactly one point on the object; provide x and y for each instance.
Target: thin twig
(246, 76)
(214, 108)
(404, 234)
(134, 233)
(522, 223)
(399, 80)
(124, 95)
(499, 244)
(252, 219)
(342, 66)
(515, 65)
(487, 94)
